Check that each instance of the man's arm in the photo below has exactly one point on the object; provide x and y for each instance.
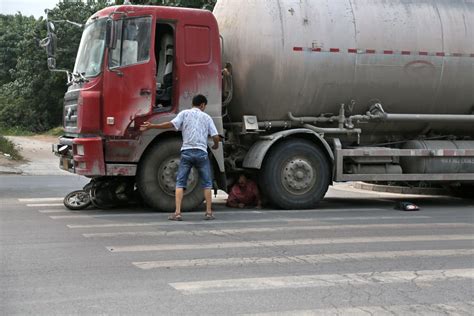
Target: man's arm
(216, 139)
(212, 130)
(147, 125)
(175, 123)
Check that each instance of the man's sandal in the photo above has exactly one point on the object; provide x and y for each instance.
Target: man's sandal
(175, 217)
(209, 216)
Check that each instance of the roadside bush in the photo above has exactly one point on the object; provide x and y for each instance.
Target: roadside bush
(7, 147)
(31, 97)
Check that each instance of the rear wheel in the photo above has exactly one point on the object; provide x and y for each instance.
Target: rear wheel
(295, 175)
(156, 178)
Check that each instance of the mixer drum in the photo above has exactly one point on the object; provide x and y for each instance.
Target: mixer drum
(310, 56)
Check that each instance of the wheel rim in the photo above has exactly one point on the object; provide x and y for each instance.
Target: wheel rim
(298, 176)
(167, 177)
(78, 199)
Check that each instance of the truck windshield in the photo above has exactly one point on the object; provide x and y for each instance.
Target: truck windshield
(91, 50)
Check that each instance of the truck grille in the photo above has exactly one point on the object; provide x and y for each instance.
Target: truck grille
(70, 110)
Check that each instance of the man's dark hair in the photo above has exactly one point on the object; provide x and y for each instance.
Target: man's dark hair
(199, 99)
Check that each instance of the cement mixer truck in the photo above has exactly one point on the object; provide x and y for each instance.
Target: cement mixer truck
(305, 93)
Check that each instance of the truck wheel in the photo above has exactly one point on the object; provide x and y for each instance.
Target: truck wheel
(296, 175)
(156, 178)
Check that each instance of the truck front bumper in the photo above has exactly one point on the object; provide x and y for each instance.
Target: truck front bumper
(83, 156)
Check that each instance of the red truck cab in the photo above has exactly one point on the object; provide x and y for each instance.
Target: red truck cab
(136, 63)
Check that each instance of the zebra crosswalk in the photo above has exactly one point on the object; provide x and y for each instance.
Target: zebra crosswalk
(303, 259)
(454, 308)
(263, 229)
(287, 242)
(248, 253)
(321, 280)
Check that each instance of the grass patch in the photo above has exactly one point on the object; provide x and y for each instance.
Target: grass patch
(7, 147)
(57, 131)
(15, 131)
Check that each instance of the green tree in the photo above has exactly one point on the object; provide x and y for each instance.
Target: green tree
(31, 97)
(12, 28)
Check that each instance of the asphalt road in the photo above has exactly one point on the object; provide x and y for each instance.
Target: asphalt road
(354, 255)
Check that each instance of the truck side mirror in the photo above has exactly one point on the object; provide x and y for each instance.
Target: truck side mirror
(49, 44)
(51, 63)
(110, 34)
(51, 27)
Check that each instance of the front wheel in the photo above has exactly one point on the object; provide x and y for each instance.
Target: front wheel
(156, 178)
(296, 175)
(77, 200)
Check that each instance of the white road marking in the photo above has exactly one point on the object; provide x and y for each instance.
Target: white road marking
(54, 211)
(271, 220)
(317, 210)
(45, 205)
(303, 259)
(287, 242)
(103, 215)
(224, 232)
(51, 199)
(329, 210)
(321, 280)
(450, 308)
(190, 215)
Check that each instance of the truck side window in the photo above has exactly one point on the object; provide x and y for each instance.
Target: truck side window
(198, 45)
(164, 53)
(133, 42)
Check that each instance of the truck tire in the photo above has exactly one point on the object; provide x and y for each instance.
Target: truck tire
(296, 175)
(156, 178)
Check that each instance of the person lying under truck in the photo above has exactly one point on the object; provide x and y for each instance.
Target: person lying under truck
(244, 193)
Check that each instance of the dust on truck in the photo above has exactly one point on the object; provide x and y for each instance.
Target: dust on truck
(311, 93)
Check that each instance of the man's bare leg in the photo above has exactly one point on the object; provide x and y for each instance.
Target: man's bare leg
(208, 197)
(179, 192)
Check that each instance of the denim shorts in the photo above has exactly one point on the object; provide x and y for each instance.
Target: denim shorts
(194, 158)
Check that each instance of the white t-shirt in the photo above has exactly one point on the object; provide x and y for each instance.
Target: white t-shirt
(195, 126)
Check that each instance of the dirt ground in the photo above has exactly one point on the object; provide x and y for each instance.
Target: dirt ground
(34, 147)
(38, 157)
(8, 163)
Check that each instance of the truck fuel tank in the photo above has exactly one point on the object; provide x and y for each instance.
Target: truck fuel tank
(447, 164)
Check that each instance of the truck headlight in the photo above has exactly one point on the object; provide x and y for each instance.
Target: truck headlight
(63, 149)
(80, 150)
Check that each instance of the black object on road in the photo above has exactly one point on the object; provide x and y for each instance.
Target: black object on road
(406, 206)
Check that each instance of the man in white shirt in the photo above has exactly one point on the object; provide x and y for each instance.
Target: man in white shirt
(195, 126)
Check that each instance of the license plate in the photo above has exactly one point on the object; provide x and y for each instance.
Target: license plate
(65, 164)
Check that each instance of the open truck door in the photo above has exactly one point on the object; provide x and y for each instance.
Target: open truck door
(129, 79)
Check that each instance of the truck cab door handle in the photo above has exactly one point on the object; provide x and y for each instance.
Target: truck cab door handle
(145, 92)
